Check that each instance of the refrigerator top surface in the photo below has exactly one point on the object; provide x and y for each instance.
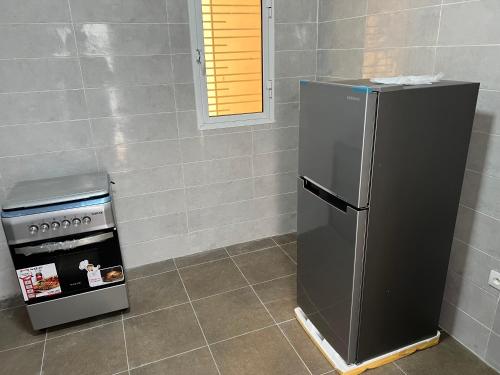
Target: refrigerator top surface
(380, 87)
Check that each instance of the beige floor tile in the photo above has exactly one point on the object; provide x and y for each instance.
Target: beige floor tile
(22, 361)
(150, 269)
(262, 352)
(79, 325)
(312, 357)
(265, 265)
(447, 358)
(197, 362)
(291, 250)
(210, 278)
(285, 238)
(206, 256)
(231, 314)
(16, 329)
(250, 246)
(162, 334)
(155, 292)
(95, 351)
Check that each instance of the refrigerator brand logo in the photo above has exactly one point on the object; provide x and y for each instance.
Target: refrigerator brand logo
(354, 98)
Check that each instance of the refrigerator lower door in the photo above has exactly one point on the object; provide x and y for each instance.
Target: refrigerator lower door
(330, 242)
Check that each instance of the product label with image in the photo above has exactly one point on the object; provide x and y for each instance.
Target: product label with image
(39, 281)
(98, 276)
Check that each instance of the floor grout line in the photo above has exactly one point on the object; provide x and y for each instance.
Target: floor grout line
(272, 317)
(125, 341)
(21, 346)
(43, 352)
(284, 252)
(169, 357)
(399, 368)
(197, 320)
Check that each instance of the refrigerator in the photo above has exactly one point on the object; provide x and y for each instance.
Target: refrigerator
(380, 176)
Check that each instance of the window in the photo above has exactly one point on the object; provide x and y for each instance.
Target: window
(232, 61)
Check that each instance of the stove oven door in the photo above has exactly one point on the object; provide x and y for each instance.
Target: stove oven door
(66, 266)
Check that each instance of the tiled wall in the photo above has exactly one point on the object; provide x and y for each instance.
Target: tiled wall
(90, 85)
(367, 38)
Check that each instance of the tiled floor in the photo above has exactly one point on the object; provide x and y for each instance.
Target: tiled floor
(228, 311)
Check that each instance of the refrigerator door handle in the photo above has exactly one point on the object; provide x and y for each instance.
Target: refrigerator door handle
(332, 200)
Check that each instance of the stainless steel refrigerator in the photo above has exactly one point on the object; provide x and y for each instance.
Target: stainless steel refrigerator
(381, 169)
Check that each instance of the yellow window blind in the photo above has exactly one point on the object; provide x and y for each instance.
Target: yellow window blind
(232, 36)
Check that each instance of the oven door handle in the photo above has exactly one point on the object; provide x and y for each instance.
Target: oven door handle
(49, 247)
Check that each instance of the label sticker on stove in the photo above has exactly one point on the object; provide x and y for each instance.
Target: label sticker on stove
(39, 281)
(98, 276)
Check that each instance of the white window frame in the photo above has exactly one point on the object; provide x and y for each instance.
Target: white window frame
(198, 55)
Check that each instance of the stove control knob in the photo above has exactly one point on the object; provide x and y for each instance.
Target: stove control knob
(76, 222)
(55, 225)
(86, 220)
(33, 229)
(45, 227)
(66, 224)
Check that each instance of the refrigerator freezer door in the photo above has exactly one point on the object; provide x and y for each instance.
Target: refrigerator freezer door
(330, 254)
(336, 138)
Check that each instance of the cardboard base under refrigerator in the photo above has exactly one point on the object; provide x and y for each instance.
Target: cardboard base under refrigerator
(354, 369)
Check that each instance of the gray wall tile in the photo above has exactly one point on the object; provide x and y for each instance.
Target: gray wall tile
(398, 61)
(295, 36)
(215, 171)
(340, 63)
(275, 184)
(492, 352)
(138, 156)
(275, 162)
(484, 154)
(465, 329)
(287, 89)
(295, 10)
(130, 100)
(216, 194)
(403, 29)
(286, 114)
(118, 11)
(496, 324)
(39, 74)
(122, 39)
(34, 11)
(152, 228)
(376, 6)
(216, 147)
(335, 9)
(487, 118)
(478, 230)
(477, 64)
(349, 33)
(476, 302)
(184, 96)
(31, 167)
(155, 250)
(126, 70)
(210, 217)
(138, 128)
(40, 138)
(473, 265)
(42, 106)
(295, 63)
(183, 69)
(148, 205)
(36, 40)
(179, 38)
(276, 139)
(147, 180)
(177, 11)
(481, 193)
(455, 31)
